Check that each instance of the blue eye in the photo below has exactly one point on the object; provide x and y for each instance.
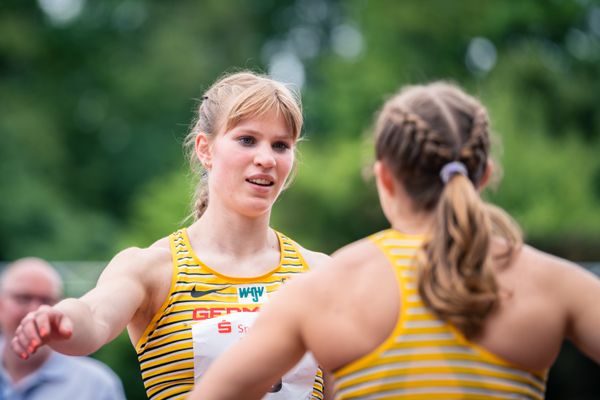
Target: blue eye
(281, 146)
(246, 140)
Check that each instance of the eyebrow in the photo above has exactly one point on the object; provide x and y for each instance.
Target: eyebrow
(288, 135)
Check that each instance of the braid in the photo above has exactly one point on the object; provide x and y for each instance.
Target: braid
(474, 152)
(414, 132)
(419, 151)
(418, 132)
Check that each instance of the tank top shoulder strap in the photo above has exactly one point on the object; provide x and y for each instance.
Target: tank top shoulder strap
(181, 250)
(399, 250)
(291, 257)
(180, 257)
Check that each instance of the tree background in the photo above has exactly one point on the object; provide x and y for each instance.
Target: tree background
(96, 98)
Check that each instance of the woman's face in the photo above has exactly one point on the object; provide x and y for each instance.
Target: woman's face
(249, 164)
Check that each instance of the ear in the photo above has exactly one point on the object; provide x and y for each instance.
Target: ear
(487, 174)
(384, 178)
(203, 150)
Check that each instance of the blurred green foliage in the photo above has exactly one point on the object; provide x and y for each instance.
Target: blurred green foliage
(96, 97)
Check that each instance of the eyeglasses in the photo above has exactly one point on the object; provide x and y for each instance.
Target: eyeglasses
(25, 299)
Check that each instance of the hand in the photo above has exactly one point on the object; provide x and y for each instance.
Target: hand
(38, 328)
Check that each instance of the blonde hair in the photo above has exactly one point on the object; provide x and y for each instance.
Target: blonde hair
(229, 101)
(418, 131)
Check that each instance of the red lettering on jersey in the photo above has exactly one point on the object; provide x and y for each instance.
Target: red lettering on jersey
(217, 311)
(199, 314)
(202, 313)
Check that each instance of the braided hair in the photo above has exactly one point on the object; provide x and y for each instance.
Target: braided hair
(418, 132)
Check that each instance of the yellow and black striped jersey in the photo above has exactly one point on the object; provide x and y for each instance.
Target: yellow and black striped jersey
(165, 350)
(425, 357)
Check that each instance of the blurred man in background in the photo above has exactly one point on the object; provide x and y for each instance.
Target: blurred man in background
(24, 286)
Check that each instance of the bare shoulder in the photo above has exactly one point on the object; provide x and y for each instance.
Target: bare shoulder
(554, 277)
(545, 266)
(333, 301)
(358, 266)
(314, 259)
(139, 261)
(359, 251)
(349, 265)
(145, 272)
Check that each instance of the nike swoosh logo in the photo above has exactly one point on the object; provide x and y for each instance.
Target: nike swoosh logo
(200, 293)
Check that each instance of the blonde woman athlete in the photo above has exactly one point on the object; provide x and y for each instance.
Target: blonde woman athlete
(190, 295)
(447, 303)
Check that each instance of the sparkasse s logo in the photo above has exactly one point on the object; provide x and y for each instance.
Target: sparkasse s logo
(224, 327)
(251, 294)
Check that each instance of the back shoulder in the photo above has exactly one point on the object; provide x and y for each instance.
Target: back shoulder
(354, 263)
(358, 255)
(541, 264)
(550, 274)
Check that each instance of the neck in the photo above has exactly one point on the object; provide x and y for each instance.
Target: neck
(399, 211)
(224, 230)
(405, 220)
(16, 367)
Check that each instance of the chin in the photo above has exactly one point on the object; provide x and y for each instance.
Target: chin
(258, 209)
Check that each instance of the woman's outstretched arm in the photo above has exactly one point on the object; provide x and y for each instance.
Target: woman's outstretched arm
(81, 326)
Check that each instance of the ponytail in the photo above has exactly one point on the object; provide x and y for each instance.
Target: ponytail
(200, 201)
(428, 132)
(456, 267)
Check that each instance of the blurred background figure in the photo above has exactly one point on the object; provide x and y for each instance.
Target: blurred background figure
(24, 286)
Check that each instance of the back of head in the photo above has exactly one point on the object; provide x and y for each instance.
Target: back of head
(231, 100)
(420, 132)
(27, 269)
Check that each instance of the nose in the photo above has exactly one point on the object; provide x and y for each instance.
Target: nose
(265, 157)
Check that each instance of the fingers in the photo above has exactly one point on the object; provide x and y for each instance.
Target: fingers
(18, 348)
(65, 327)
(41, 322)
(30, 337)
(26, 339)
(37, 328)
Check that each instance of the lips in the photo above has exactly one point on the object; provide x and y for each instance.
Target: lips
(261, 180)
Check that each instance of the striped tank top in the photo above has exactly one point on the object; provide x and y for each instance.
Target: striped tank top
(165, 350)
(425, 357)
